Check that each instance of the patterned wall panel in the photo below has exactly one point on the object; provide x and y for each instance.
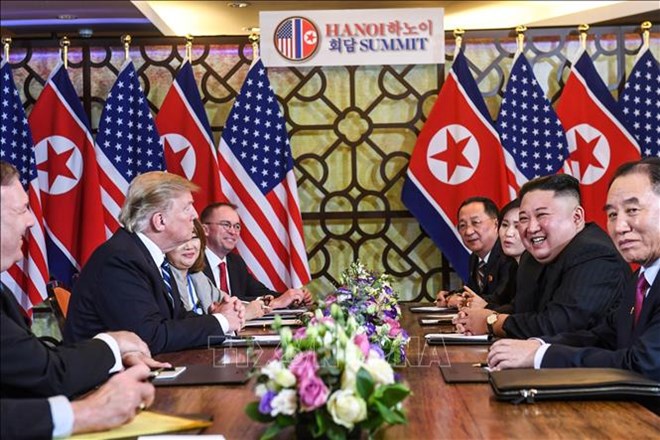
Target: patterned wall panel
(352, 128)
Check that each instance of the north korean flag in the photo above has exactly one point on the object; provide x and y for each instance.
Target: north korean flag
(457, 155)
(186, 133)
(598, 141)
(68, 177)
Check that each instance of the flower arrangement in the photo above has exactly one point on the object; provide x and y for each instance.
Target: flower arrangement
(327, 379)
(370, 297)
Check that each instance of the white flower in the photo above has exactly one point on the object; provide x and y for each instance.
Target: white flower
(272, 368)
(346, 408)
(380, 371)
(349, 375)
(285, 378)
(260, 390)
(284, 403)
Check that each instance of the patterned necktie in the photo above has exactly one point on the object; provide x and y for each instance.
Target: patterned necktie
(642, 285)
(167, 278)
(223, 278)
(194, 299)
(481, 275)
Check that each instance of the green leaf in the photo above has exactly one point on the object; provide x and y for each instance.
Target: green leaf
(271, 432)
(322, 420)
(252, 410)
(364, 384)
(390, 395)
(283, 421)
(390, 416)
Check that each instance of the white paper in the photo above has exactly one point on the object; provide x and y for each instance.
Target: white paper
(269, 322)
(430, 309)
(456, 337)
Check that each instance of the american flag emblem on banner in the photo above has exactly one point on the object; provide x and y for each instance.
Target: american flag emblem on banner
(26, 279)
(256, 174)
(296, 38)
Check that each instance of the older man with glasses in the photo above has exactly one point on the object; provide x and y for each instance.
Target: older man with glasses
(227, 269)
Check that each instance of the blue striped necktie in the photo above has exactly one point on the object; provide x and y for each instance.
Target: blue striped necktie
(167, 278)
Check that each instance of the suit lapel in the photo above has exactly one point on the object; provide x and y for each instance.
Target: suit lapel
(208, 271)
(12, 308)
(647, 307)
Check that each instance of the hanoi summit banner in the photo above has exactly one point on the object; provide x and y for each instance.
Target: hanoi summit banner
(352, 37)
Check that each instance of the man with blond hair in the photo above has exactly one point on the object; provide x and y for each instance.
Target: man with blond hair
(127, 283)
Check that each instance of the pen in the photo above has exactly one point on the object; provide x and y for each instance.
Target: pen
(480, 365)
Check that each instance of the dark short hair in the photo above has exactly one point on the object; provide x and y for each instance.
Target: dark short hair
(513, 204)
(206, 212)
(489, 206)
(560, 184)
(8, 173)
(650, 166)
(199, 263)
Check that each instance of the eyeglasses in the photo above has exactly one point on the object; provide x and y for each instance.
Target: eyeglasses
(226, 225)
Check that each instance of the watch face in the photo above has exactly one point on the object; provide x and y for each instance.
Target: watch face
(491, 319)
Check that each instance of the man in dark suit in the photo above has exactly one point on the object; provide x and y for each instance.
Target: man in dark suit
(628, 338)
(36, 381)
(127, 283)
(571, 274)
(490, 269)
(223, 227)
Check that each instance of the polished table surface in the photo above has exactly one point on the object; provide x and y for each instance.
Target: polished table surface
(435, 410)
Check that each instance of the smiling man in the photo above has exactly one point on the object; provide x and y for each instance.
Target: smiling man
(127, 283)
(629, 338)
(571, 274)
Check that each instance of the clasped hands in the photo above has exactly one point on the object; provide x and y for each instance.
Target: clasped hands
(232, 309)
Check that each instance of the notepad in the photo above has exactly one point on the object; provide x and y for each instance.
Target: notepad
(440, 319)
(262, 340)
(146, 422)
(456, 339)
(269, 322)
(431, 309)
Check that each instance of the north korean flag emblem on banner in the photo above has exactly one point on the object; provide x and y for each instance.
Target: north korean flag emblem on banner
(296, 38)
(457, 155)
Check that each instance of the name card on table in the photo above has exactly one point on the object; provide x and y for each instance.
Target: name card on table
(352, 37)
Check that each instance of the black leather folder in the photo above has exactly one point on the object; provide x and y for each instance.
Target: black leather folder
(529, 385)
(205, 374)
(464, 372)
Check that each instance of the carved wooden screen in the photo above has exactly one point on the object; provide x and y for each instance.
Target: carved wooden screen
(352, 129)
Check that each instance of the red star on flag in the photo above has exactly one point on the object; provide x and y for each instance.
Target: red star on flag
(584, 155)
(174, 161)
(453, 155)
(56, 165)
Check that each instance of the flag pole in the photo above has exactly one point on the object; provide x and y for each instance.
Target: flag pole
(520, 39)
(126, 40)
(64, 44)
(254, 38)
(6, 42)
(458, 35)
(189, 40)
(646, 35)
(583, 28)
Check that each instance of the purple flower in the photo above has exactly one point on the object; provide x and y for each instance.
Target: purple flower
(370, 328)
(313, 393)
(377, 349)
(264, 403)
(391, 313)
(362, 341)
(304, 365)
(395, 326)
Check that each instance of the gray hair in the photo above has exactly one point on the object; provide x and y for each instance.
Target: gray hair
(148, 194)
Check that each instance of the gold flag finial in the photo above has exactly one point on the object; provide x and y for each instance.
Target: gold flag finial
(126, 41)
(646, 32)
(583, 28)
(254, 38)
(64, 44)
(458, 35)
(6, 43)
(189, 40)
(520, 37)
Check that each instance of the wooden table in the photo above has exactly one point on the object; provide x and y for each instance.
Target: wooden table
(435, 410)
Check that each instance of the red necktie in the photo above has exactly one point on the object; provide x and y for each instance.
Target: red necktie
(642, 285)
(223, 277)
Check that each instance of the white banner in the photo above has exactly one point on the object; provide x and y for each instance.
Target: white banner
(352, 37)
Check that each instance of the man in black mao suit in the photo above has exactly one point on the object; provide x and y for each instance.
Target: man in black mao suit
(122, 286)
(477, 226)
(36, 381)
(222, 227)
(628, 338)
(570, 275)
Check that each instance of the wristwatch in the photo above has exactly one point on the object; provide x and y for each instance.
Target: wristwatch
(490, 321)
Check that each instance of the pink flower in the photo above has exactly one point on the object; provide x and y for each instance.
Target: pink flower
(300, 334)
(395, 326)
(362, 341)
(313, 393)
(277, 355)
(304, 365)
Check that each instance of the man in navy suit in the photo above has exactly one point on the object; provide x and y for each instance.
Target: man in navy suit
(37, 381)
(628, 338)
(222, 226)
(127, 283)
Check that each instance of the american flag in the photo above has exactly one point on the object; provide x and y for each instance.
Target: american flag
(530, 131)
(26, 279)
(640, 103)
(127, 143)
(285, 39)
(256, 173)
